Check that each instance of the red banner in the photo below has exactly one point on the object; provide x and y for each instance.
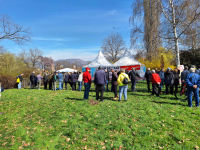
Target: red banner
(130, 67)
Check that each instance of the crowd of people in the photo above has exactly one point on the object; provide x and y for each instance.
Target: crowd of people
(170, 78)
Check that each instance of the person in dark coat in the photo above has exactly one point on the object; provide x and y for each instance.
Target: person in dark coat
(184, 75)
(193, 84)
(73, 81)
(156, 71)
(66, 79)
(50, 78)
(148, 78)
(162, 77)
(45, 78)
(32, 79)
(133, 75)
(114, 83)
(169, 80)
(100, 81)
(176, 80)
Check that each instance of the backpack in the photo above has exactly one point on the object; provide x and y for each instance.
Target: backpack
(126, 80)
(18, 80)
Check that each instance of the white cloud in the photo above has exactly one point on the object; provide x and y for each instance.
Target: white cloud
(86, 55)
(110, 13)
(53, 39)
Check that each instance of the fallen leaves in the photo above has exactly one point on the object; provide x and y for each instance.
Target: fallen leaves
(67, 139)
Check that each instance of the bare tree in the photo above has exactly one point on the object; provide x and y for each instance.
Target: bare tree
(176, 21)
(12, 31)
(32, 57)
(46, 63)
(113, 46)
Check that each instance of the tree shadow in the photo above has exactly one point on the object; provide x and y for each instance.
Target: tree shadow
(168, 103)
(77, 99)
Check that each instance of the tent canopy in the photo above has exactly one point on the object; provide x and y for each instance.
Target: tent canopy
(126, 60)
(67, 70)
(100, 60)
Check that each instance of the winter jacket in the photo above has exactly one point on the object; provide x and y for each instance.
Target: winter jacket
(54, 78)
(192, 79)
(39, 77)
(100, 77)
(114, 78)
(32, 77)
(80, 77)
(148, 75)
(184, 75)
(161, 74)
(20, 77)
(67, 78)
(45, 78)
(107, 76)
(73, 78)
(60, 77)
(133, 75)
(169, 77)
(121, 79)
(87, 77)
(155, 78)
(176, 78)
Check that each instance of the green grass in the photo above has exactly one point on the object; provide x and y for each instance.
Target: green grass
(35, 119)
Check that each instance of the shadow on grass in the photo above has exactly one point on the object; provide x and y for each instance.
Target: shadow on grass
(77, 99)
(169, 103)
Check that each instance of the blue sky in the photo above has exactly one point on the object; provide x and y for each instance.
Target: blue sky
(65, 29)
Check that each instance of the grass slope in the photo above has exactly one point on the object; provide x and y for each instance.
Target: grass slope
(42, 119)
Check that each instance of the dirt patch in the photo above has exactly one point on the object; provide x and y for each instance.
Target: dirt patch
(92, 102)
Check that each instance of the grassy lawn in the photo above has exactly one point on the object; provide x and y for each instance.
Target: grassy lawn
(34, 119)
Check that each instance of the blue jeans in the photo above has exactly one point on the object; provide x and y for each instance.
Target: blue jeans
(19, 85)
(190, 94)
(123, 89)
(87, 90)
(79, 85)
(60, 85)
(106, 86)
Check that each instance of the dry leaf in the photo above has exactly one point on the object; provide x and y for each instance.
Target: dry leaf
(67, 139)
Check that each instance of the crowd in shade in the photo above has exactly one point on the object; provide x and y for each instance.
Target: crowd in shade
(155, 79)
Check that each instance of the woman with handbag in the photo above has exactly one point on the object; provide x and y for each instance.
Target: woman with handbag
(123, 81)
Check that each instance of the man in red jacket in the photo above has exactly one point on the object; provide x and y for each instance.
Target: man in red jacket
(87, 83)
(155, 79)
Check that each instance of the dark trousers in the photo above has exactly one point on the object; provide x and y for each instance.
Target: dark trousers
(115, 90)
(176, 88)
(50, 85)
(66, 85)
(32, 84)
(133, 85)
(148, 85)
(73, 86)
(171, 88)
(99, 88)
(45, 84)
(155, 89)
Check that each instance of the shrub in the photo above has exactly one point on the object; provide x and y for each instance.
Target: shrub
(8, 82)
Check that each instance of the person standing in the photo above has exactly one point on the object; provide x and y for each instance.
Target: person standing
(156, 71)
(155, 79)
(67, 80)
(87, 83)
(133, 75)
(162, 77)
(45, 78)
(169, 80)
(176, 80)
(114, 83)
(99, 82)
(39, 79)
(60, 80)
(50, 78)
(54, 79)
(20, 80)
(73, 81)
(107, 80)
(122, 87)
(193, 83)
(148, 78)
(32, 79)
(80, 80)
(184, 75)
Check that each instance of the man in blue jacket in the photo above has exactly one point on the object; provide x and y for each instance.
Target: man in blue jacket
(60, 80)
(162, 77)
(184, 75)
(99, 82)
(193, 83)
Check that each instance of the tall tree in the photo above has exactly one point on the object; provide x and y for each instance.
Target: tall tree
(113, 46)
(12, 31)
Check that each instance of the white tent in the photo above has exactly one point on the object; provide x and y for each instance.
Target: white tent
(100, 60)
(127, 60)
(67, 70)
